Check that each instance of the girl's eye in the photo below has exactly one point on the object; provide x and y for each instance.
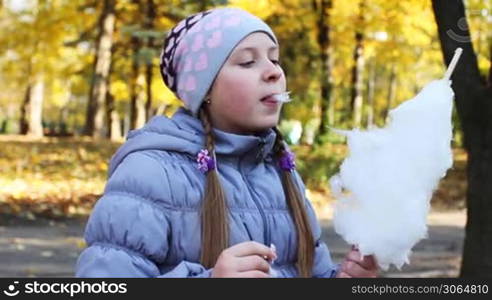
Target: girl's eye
(247, 64)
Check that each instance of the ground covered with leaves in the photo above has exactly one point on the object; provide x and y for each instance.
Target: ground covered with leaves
(64, 177)
(53, 177)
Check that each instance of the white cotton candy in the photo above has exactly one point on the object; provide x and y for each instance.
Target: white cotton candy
(385, 185)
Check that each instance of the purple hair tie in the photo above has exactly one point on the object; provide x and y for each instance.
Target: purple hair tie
(287, 161)
(205, 162)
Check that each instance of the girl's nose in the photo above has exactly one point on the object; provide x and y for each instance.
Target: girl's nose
(272, 72)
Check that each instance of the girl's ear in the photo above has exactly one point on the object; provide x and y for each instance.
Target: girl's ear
(208, 97)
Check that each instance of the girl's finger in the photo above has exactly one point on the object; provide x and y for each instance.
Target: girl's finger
(368, 261)
(342, 274)
(356, 270)
(253, 274)
(253, 262)
(354, 255)
(251, 248)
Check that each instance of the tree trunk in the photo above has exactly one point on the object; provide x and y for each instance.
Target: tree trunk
(137, 83)
(112, 116)
(23, 120)
(490, 66)
(391, 92)
(160, 109)
(371, 84)
(95, 110)
(323, 24)
(137, 94)
(148, 91)
(63, 121)
(331, 112)
(356, 100)
(149, 25)
(474, 107)
(36, 108)
(32, 109)
(137, 112)
(113, 119)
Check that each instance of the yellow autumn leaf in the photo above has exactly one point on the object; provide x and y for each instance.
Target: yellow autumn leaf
(103, 166)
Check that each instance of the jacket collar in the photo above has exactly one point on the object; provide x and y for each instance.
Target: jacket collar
(228, 144)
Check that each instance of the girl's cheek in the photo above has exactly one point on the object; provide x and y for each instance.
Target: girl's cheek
(237, 102)
(240, 94)
(239, 88)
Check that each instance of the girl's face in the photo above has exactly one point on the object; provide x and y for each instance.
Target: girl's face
(251, 72)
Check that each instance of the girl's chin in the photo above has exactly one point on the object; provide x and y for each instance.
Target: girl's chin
(266, 124)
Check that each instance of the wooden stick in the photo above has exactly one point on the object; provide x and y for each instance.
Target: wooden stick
(452, 64)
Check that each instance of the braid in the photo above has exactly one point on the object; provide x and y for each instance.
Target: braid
(209, 138)
(279, 145)
(215, 227)
(295, 201)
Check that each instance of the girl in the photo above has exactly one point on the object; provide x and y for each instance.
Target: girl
(205, 193)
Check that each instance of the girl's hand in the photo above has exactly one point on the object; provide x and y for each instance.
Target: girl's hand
(248, 259)
(353, 266)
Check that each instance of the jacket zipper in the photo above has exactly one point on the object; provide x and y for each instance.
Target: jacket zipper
(266, 228)
(259, 155)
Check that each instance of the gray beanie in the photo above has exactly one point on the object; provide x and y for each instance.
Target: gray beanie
(197, 47)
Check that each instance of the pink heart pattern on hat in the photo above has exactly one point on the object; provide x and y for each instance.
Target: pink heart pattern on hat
(182, 48)
(190, 84)
(215, 40)
(197, 43)
(187, 65)
(213, 23)
(202, 62)
(234, 20)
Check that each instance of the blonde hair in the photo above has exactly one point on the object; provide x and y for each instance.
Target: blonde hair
(214, 218)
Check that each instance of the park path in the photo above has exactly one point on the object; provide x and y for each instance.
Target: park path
(49, 248)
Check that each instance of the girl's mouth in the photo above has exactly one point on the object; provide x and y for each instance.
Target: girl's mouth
(279, 98)
(270, 101)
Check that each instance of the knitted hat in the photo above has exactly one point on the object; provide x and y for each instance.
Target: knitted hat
(197, 47)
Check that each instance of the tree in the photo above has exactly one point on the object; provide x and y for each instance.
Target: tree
(94, 125)
(474, 107)
(137, 81)
(392, 83)
(490, 69)
(371, 83)
(32, 107)
(358, 69)
(149, 25)
(112, 117)
(323, 8)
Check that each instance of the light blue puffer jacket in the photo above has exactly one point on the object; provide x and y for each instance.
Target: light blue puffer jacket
(147, 223)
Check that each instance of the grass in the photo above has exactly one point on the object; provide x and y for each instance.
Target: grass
(64, 177)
